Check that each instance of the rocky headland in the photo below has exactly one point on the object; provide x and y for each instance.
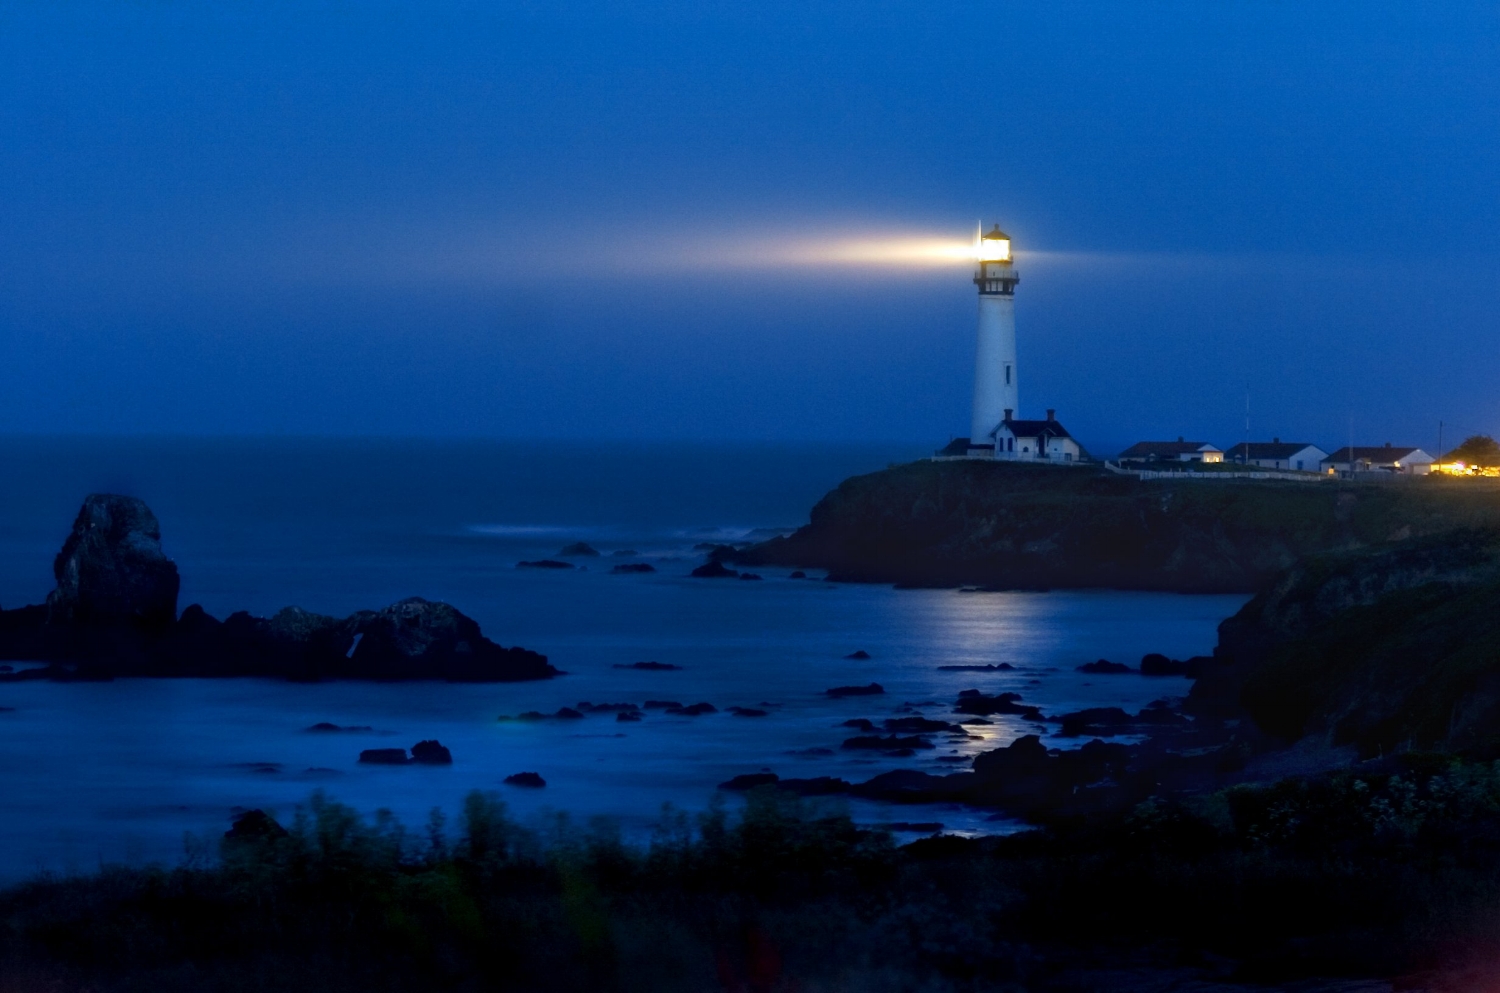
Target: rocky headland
(1010, 526)
(1358, 662)
(114, 613)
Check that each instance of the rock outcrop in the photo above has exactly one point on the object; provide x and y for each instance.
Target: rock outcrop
(1385, 649)
(111, 570)
(113, 613)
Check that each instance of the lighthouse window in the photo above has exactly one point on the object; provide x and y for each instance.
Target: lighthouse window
(1007, 375)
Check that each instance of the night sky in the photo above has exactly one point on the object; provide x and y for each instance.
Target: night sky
(690, 220)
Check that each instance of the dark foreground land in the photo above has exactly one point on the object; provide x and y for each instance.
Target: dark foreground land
(1006, 525)
(1316, 885)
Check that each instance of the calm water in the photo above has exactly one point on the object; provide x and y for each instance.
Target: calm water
(120, 771)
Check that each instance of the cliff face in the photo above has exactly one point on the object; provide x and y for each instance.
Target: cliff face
(1387, 649)
(1009, 525)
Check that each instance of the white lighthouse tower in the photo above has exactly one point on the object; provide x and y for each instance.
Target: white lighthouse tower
(996, 393)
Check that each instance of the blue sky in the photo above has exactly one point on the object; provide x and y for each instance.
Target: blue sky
(535, 220)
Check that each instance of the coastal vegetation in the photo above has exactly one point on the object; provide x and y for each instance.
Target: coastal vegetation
(1008, 525)
(1374, 874)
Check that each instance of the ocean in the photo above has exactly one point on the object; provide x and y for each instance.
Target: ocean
(125, 771)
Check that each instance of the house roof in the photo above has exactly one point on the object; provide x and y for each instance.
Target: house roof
(1165, 449)
(1376, 453)
(1035, 429)
(1268, 449)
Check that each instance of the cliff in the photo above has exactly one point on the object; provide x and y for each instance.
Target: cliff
(1018, 526)
(1386, 649)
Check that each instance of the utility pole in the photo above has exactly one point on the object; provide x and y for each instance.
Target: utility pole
(1440, 446)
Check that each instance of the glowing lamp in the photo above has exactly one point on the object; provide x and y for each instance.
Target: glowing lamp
(994, 246)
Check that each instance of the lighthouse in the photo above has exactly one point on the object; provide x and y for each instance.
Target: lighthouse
(996, 393)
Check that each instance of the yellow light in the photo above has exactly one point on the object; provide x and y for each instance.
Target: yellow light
(993, 250)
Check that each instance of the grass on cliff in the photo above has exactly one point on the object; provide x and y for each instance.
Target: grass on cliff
(1350, 875)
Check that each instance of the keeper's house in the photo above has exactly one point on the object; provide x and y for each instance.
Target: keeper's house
(1047, 441)
(1172, 451)
(1298, 456)
(1387, 458)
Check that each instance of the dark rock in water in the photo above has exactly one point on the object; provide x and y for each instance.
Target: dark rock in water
(975, 702)
(694, 710)
(860, 724)
(254, 825)
(425, 639)
(714, 569)
(888, 743)
(650, 666)
(530, 780)
(630, 567)
(628, 715)
(749, 575)
(874, 689)
(1104, 667)
(111, 570)
(716, 550)
(750, 781)
(662, 705)
(747, 712)
(1002, 667)
(580, 549)
(861, 654)
(817, 786)
(798, 574)
(1095, 720)
(589, 708)
(568, 713)
(905, 786)
(431, 753)
(544, 564)
(1156, 664)
(384, 756)
(325, 726)
(7, 668)
(919, 725)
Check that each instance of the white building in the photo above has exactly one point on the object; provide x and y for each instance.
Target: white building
(1172, 451)
(1035, 440)
(996, 383)
(1298, 456)
(1387, 458)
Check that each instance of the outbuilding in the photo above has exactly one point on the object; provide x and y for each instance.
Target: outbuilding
(1386, 458)
(1298, 456)
(1172, 451)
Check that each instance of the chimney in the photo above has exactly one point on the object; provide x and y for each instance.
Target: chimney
(1387, 444)
(1179, 439)
(1051, 414)
(1275, 441)
(1007, 413)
